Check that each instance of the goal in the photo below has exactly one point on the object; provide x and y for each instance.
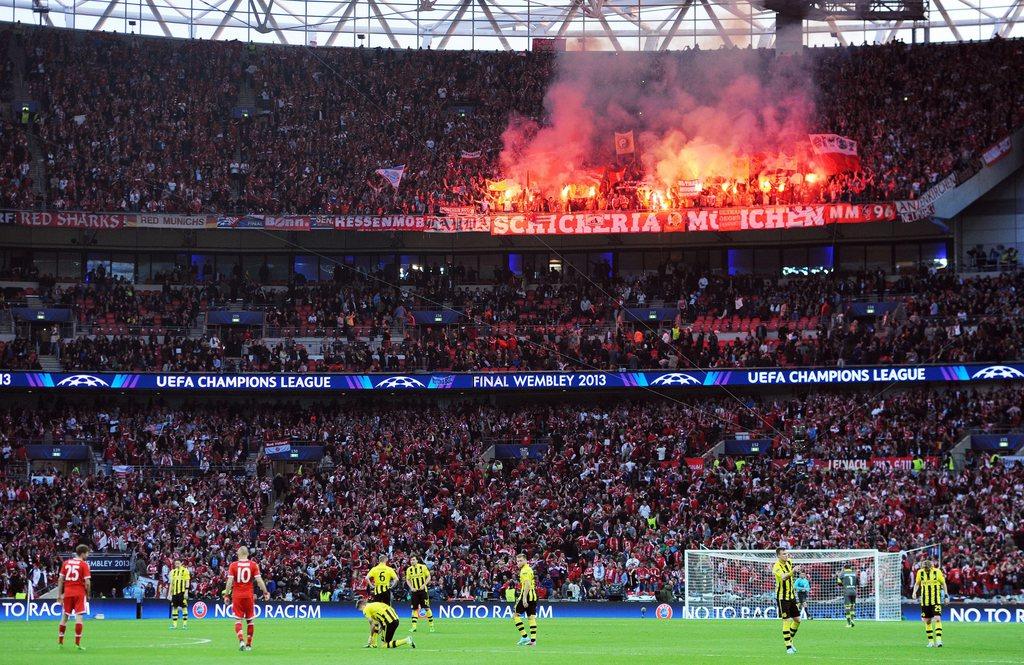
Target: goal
(727, 584)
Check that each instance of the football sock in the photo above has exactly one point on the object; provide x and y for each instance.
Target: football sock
(938, 629)
(60, 633)
(793, 627)
(394, 644)
(238, 630)
(519, 625)
(787, 636)
(430, 617)
(78, 634)
(249, 629)
(928, 631)
(533, 629)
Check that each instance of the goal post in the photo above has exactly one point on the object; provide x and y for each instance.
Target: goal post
(727, 584)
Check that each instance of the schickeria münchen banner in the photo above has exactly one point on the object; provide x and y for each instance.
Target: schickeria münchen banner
(521, 381)
(752, 218)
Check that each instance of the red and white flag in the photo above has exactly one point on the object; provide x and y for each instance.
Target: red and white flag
(624, 143)
(836, 154)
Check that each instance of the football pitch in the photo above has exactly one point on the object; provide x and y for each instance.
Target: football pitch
(488, 641)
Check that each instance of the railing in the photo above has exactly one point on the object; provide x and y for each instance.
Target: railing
(131, 330)
(157, 471)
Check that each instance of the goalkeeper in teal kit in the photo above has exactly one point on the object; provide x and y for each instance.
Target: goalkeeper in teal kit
(802, 586)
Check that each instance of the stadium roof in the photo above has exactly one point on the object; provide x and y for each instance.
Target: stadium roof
(508, 24)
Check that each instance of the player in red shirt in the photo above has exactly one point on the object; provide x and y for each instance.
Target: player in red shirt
(73, 587)
(241, 575)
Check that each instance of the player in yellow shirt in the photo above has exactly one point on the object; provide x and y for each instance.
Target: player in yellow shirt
(931, 584)
(180, 581)
(383, 620)
(417, 577)
(785, 596)
(526, 603)
(382, 578)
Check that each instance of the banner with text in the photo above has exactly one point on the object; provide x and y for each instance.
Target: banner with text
(523, 381)
(463, 220)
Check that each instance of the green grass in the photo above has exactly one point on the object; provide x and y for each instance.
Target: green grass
(492, 642)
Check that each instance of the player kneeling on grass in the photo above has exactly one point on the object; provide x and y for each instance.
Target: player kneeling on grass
(383, 620)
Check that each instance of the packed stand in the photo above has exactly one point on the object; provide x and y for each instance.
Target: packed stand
(322, 135)
(598, 515)
(562, 322)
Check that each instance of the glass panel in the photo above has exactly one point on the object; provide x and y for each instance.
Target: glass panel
(70, 265)
(308, 266)
(45, 262)
(879, 257)
(279, 268)
(935, 254)
(252, 266)
(741, 261)
(851, 258)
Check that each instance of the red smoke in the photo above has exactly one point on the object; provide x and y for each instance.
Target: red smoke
(727, 114)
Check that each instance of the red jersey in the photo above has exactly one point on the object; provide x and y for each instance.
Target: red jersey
(243, 573)
(75, 572)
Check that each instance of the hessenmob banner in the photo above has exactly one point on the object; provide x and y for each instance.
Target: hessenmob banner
(462, 221)
(523, 381)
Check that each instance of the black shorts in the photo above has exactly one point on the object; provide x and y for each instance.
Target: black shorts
(801, 596)
(420, 599)
(931, 611)
(850, 599)
(179, 600)
(388, 630)
(382, 597)
(527, 607)
(788, 609)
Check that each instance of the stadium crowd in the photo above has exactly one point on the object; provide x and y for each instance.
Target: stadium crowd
(596, 517)
(555, 322)
(325, 120)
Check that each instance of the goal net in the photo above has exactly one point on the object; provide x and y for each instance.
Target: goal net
(726, 584)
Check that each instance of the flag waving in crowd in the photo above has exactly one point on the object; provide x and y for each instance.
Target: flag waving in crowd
(837, 154)
(393, 175)
(625, 144)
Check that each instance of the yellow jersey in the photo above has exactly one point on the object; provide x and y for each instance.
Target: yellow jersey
(383, 576)
(180, 579)
(417, 576)
(783, 572)
(929, 583)
(527, 583)
(381, 613)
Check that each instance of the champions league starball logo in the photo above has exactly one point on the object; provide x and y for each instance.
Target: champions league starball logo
(998, 372)
(400, 382)
(82, 381)
(675, 379)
